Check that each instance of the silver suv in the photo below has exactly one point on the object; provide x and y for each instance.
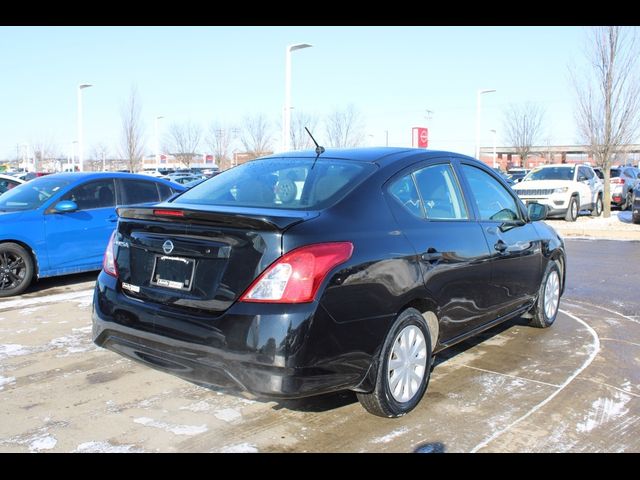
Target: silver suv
(565, 189)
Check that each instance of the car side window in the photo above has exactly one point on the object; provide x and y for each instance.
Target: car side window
(96, 194)
(493, 200)
(582, 174)
(165, 191)
(404, 190)
(440, 193)
(139, 191)
(589, 173)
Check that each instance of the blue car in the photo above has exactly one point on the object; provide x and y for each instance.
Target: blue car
(60, 224)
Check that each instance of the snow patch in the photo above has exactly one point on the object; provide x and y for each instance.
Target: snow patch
(201, 406)
(106, 447)
(175, 429)
(45, 442)
(6, 381)
(60, 297)
(390, 436)
(13, 350)
(28, 311)
(604, 410)
(239, 448)
(228, 414)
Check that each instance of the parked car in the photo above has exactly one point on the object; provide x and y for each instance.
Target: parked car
(565, 189)
(622, 181)
(517, 174)
(635, 209)
(185, 179)
(505, 177)
(60, 223)
(387, 257)
(7, 182)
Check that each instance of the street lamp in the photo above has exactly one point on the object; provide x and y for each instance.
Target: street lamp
(157, 142)
(478, 108)
(286, 124)
(494, 147)
(81, 87)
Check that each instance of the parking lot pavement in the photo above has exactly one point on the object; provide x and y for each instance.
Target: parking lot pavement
(618, 226)
(573, 387)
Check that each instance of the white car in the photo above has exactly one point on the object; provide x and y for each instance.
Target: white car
(7, 182)
(565, 189)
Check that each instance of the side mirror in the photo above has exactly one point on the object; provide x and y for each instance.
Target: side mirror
(537, 211)
(66, 206)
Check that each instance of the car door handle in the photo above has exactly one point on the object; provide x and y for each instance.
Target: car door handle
(500, 246)
(431, 256)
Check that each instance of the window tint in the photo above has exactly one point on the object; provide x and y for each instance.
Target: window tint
(404, 190)
(588, 173)
(6, 185)
(98, 194)
(287, 183)
(582, 174)
(550, 173)
(494, 202)
(139, 191)
(440, 193)
(165, 190)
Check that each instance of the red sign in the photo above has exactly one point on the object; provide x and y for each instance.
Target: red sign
(420, 137)
(208, 159)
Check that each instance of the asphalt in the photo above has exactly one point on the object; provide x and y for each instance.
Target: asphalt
(573, 387)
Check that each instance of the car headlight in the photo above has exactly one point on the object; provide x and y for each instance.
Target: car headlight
(560, 190)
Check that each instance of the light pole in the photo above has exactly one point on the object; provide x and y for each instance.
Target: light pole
(81, 87)
(157, 142)
(73, 155)
(478, 108)
(494, 147)
(286, 124)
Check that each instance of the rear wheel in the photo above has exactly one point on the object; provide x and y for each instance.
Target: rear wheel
(597, 210)
(546, 307)
(404, 368)
(16, 269)
(572, 211)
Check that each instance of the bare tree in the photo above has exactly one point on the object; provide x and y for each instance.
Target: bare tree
(608, 97)
(300, 139)
(183, 141)
(132, 142)
(44, 152)
(256, 135)
(344, 128)
(219, 139)
(99, 154)
(523, 127)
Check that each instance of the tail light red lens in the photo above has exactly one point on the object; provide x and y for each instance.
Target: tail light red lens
(617, 181)
(109, 262)
(296, 276)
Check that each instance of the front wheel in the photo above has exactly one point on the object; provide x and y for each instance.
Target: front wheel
(546, 307)
(572, 211)
(404, 368)
(16, 269)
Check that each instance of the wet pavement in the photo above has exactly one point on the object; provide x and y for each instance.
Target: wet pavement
(573, 387)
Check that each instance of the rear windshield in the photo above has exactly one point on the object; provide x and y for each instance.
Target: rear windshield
(551, 173)
(614, 172)
(285, 183)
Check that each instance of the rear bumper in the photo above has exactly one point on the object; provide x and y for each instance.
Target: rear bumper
(252, 348)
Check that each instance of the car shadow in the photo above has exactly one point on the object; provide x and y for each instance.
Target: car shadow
(63, 283)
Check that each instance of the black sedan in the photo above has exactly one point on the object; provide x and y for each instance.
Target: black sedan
(635, 205)
(300, 274)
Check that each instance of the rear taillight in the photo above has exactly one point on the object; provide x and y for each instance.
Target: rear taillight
(296, 276)
(109, 261)
(168, 213)
(617, 181)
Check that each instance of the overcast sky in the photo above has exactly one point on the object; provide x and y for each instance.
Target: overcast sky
(392, 75)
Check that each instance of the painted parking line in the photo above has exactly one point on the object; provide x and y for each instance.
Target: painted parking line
(595, 349)
(7, 305)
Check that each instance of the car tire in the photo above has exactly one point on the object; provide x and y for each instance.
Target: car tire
(572, 210)
(546, 307)
(16, 269)
(597, 210)
(398, 390)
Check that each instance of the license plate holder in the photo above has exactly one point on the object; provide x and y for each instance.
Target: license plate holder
(173, 272)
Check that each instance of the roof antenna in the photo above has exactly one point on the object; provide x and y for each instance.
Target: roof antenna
(319, 149)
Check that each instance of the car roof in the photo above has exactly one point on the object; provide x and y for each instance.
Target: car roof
(381, 156)
(76, 177)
